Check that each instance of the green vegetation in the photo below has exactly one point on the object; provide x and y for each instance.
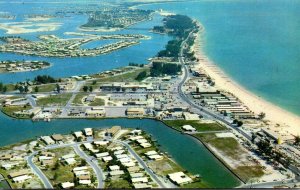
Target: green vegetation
(46, 87)
(177, 124)
(249, 172)
(97, 102)
(178, 26)
(44, 79)
(117, 17)
(3, 88)
(232, 149)
(141, 76)
(125, 77)
(78, 98)
(59, 100)
(172, 49)
(118, 184)
(160, 69)
(195, 185)
(10, 111)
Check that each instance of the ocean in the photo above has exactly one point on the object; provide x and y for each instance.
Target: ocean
(255, 42)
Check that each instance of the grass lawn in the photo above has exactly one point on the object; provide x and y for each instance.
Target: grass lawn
(45, 87)
(97, 102)
(249, 172)
(58, 100)
(233, 150)
(78, 98)
(118, 184)
(197, 184)
(177, 124)
(10, 111)
(126, 77)
(229, 146)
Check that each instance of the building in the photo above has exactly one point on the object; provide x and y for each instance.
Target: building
(135, 112)
(179, 178)
(88, 132)
(95, 112)
(57, 137)
(188, 128)
(48, 140)
(67, 185)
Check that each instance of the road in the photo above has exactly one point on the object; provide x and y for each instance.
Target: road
(210, 114)
(93, 163)
(153, 176)
(290, 183)
(38, 172)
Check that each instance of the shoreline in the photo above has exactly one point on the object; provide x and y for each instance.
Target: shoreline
(274, 113)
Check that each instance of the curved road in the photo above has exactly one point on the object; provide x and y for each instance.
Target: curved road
(38, 172)
(160, 182)
(93, 163)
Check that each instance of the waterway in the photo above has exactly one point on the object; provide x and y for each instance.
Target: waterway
(185, 150)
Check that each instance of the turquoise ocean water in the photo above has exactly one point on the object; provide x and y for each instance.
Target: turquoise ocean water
(254, 42)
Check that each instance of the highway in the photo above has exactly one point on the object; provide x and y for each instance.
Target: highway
(93, 163)
(38, 172)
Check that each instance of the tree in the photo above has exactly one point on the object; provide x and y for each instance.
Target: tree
(36, 89)
(239, 123)
(1, 86)
(297, 140)
(85, 88)
(26, 89)
(21, 89)
(91, 89)
(4, 89)
(94, 82)
(83, 162)
(57, 88)
(262, 115)
(141, 76)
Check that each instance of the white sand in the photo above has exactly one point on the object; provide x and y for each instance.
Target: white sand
(257, 104)
(24, 27)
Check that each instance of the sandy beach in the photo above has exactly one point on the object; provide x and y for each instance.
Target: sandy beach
(275, 114)
(26, 27)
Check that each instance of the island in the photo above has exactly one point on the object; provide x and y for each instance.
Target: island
(52, 46)
(112, 19)
(22, 66)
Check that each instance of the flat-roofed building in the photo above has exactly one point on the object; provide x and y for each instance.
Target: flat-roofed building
(135, 112)
(180, 178)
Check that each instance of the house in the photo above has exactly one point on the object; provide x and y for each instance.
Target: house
(103, 154)
(156, 157)
(21, 179)
(188, 128)
(6, 157)
(190, 116)
(139, 179)
(90, 98)
(135, 112)
(136, 132)
(67, 185)
(114, 168)
(101, 143)
(88, 132)
(136, 175)
(112, 131)
(116, 172)
(134, 169)
(80, 168)
(145, 145)
(107, 158)
(57, 137)
(19, 173)
(48, 140)
(78, 134)
(179, 178)
(141, 186)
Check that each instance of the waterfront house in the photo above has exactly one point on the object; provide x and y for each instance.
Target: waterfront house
(67, 185)
(179, 178)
